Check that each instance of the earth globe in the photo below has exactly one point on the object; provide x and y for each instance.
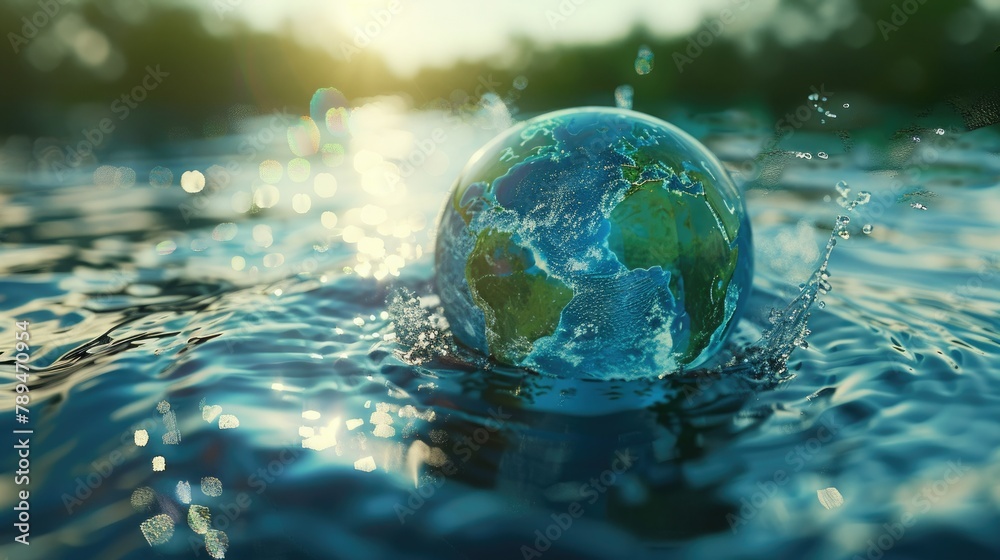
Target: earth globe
(594, 243)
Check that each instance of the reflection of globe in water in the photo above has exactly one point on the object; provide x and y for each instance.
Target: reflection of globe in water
(594, 243)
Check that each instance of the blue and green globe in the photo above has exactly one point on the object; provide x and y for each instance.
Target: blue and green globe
(594, 243)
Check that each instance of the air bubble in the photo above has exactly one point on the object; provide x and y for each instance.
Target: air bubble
(822, 155)
(623, 96)
(644, 61)
(867, 229)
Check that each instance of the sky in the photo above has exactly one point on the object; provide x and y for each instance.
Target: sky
(437, 33)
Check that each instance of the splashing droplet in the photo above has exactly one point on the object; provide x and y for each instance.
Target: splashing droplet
(644, 61)
(623, 96)
(199, 519)
(216, 543)
(157, 529)
(211, 486)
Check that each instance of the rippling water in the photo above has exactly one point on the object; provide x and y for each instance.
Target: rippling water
(285, 340)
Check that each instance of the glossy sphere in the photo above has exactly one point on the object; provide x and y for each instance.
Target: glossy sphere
(594, 242)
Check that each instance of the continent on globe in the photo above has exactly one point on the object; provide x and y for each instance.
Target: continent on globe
(594, 242)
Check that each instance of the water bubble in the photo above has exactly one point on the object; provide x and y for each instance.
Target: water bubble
(143, 498)
(644, 61)
(301, 203)
(324, 101)
(847, 105)
(192, 181)
(184, 492)
(216, 543)
(867, 229)
(822, 155)
(842, 188)
(623, 96)
(843, 219)
(166, 247)
(916, 139)
(520, 83)
(803, 155)
(303, 137)
(821, 304)
(199, 519)
(918, 206)
(161, 177)
(224, 231)
(336, 120)
(864, 197)
(299, 170)
(270, 171)
(157, 529)
(211, 486)
(939, 132)
(325, 185)
(333, 154)
(813, 97)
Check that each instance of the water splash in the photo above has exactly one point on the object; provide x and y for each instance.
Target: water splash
(644, 61)
(623, 96)
(767, 358)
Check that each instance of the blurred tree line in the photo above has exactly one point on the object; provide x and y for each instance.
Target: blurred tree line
(914, 64)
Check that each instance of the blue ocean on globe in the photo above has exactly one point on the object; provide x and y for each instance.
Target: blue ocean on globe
(594, 243)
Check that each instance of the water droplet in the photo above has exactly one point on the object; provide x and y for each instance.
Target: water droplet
(157, 529)
(842, 188)
(844, 234)
(867, 229)
(918, 206)
(644, 61)
(821, 304)
(864, 197)
(822, 155)
(211, 486)
(192, 181)
(916, 139)
(813, 96)
(939, 132)
(520, 83)
(843, 219)
(623, 96)
(847, 105)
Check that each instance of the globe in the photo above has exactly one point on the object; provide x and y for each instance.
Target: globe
(594, 243)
